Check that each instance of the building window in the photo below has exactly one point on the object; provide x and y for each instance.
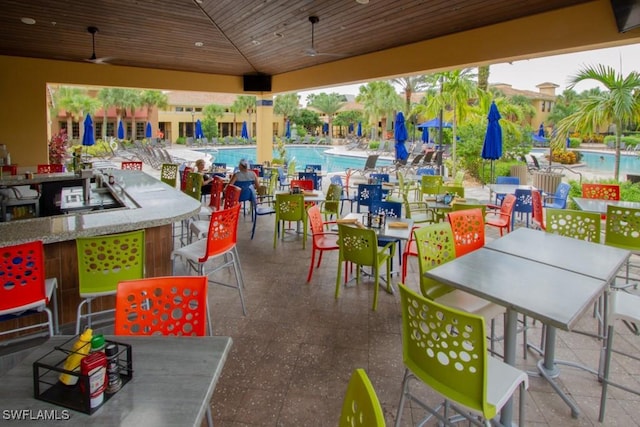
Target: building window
(543, 106)
(179, 109)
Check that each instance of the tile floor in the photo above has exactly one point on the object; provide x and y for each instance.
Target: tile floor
(294, 351)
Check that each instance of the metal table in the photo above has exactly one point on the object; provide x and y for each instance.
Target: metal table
(527, 282)
(173, 381)
(600, 205)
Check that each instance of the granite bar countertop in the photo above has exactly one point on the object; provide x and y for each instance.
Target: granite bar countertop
(148, 203)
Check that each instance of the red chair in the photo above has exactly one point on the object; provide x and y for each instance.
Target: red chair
(231, 196)
(50, 168)
(322, 240)
(179, 302)
(304, 184)
(501, 215)
(217, 187)
(12, 169)
(183, 177)
(220, 243)
(538, 214)
(131, 166)
(23, 287)
(410, 249)
(468, 230)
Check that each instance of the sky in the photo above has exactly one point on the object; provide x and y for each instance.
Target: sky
(526, 74)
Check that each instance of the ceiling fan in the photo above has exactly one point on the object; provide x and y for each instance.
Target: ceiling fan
(311, 51)
(93, 59)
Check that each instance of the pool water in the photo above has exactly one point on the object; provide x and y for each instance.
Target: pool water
(604, 161)
(302, 155)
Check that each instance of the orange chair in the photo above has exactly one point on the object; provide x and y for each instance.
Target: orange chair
(501, 215)
(468, 230)
(131, 166)
(50, 168)
(322, 240)
(220, 243)
(172, 305)
(538, 215)
(23, 287)
(410, 249)
(601, 191)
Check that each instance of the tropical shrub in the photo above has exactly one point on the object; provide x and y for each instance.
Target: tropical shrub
(564, 157)
(575, 142)
(374, 145)
(181, 140)
(58, 147)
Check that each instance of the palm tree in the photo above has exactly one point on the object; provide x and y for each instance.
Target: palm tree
(106, 98)
(76, 103)
(483, 77)
(618, 104)
(210, 124)
(457, 88)
(131, 101)
(410, 85)
(236, 108)
(379, 100)
(153, 98)
(328, 104)
(247, 103)
(287, 105)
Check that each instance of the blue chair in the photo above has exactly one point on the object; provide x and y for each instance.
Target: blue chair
(259, 167)
(523, 206)
(313, 168)
(259, 208)
(246, 193)
(513, 180)
(368, 193)
(426, 171)
(317, 179)
(282, 178)
(379, 178)
(559, 199)
(344, 196)
(391, 210)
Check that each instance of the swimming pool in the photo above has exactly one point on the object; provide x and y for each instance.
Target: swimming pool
(331, 162)
(600, 161)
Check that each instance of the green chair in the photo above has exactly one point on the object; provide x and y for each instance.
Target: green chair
(622, 230)
(103, 261)
(360, 406)
(446, 349)
(458, 180)
(404, 186)
(430, 185)
(169, 174)
(360, 246)
(456, 206)
(571, 223)
(193, 186)
(290, 207)
(331, 204)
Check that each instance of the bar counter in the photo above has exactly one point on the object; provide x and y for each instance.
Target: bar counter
(149, 204)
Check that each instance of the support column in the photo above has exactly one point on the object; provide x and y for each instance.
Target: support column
(264, 128)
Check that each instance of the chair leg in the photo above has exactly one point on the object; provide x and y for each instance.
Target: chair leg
(313, 258)
(239, 277)
(605, 374)
(405, 385)
(338, 277)
(79, 314)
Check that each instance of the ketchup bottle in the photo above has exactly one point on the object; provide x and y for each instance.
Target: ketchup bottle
(95, 366)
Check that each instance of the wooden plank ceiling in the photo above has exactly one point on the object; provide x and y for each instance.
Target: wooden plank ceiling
(240, 36)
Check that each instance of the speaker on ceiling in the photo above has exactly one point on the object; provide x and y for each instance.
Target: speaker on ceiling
(256, 83)
(627, 14)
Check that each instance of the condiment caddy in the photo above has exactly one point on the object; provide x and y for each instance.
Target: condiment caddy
(77, 376)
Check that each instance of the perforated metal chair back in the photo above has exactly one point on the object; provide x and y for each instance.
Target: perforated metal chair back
(537, 218)
(193, 186)
(217, 187)
(173, 305)
(622, 228)
(231, 196)
(223, 232)
(601, 191)
(468, 230)
(572, 223)
(368, 193)
(360, 406)
(169, 174)
(435, 246)
(559, 199)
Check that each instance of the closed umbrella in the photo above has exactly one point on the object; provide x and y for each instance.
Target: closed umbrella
(325, 128)
(492, 147)
(400, 135)
(287, 130)
(88, 138)
(245, 133)
(359, 130)
(541, 130)
(199, 134)
(425, 135)
(350, 128)
(120, 130)
(148, 132)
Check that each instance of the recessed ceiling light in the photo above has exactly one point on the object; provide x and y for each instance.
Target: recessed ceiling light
(28, 21)
(278, 35)
(199, 1)
(362, 1)
(255, 42)
(199, 44)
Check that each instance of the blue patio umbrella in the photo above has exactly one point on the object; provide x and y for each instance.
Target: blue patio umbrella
(425, 135)
(541, 130)
(245, 133)
(287, 130)
(537, 138)
(492, 147)
(325, 128)
(400, 135)
(434, 123)
(88, 138)
(359, 130)
(350, 127)
(120, 130)
(148, 132)
(199, 134)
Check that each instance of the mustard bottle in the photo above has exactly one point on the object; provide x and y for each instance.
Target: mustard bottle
(80, 349)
